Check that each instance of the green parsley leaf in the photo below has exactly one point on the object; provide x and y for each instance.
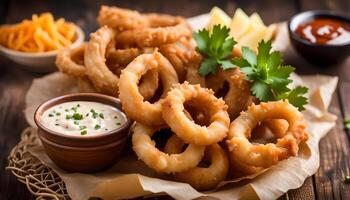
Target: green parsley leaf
(76, 122)
(249, 56)
(202, 39)
(58, 114)
(226, 64)
(50, 115)
(269, 78)
(216, 49)
(206, 67)
(68, 116)
(94, 113)
(101, 115)
(84, 132)
(77, 116)
(97, 127)
(347, 124)
(261, 90)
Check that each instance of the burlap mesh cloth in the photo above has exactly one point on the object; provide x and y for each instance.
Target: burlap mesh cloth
(40, 180)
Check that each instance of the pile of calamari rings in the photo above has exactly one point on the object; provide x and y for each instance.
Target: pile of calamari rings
(150, 63)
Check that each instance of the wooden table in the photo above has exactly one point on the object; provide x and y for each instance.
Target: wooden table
(327, 183)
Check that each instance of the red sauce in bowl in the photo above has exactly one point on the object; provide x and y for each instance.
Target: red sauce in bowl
(324, 31)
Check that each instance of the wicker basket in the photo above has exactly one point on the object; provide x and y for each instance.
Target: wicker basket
(40, 180)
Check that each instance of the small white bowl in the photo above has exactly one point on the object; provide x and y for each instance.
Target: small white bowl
(41, 62)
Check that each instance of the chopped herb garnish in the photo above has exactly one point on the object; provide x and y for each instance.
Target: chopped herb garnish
(58, 114)
(94, 113)
(97, 127)
(68, 116)
(78, 105)
(74, 109)
(106, 129)
(347, 179)
(50, 115)
(77, 116)
(76, 122)
(56, 124)
(84, 132)
(66, 110)
(118, 123)
(101, 115)
(115, 117)
(82, 127)
(347, 124)
(87, 114)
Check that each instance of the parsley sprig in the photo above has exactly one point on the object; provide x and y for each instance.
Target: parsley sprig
(216, 47)
(269, 78)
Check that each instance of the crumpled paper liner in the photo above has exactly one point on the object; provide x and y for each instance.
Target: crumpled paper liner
(131, 178)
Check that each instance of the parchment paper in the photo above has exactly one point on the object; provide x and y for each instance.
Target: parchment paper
(130, 178)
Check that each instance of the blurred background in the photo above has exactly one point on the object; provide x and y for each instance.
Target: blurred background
(84, 12)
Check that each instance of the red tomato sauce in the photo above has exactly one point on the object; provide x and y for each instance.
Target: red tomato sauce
(324, 31)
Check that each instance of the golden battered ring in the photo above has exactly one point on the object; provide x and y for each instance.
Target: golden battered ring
(199, 177)
(261, 155)
(132, 101)
(145, 149)
(238, 96)
(188, 130)
(71, 61)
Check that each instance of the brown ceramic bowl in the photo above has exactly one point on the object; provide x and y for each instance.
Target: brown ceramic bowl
(83, 154)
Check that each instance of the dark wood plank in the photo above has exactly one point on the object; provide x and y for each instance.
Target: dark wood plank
(305, 192)
(13, 86)
(334, 161)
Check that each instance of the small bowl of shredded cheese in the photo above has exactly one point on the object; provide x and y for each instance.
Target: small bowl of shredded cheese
(35, 43)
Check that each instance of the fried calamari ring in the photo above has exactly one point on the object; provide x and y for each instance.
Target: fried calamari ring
(277, 126)
(154, 37)
(98, 72)
(121, 19)
(145, 150)
(238, 96)
(187, 130)
(261, 155)
(71, 61)
(192, 75)
(103, 79)
(125, 19)
(122, 57)
(132, 101)
(201, 178)
(178, 54)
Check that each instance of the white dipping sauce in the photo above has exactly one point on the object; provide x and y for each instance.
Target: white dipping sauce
(82, 118)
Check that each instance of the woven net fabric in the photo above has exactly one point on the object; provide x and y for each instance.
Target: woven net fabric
(40, 180)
